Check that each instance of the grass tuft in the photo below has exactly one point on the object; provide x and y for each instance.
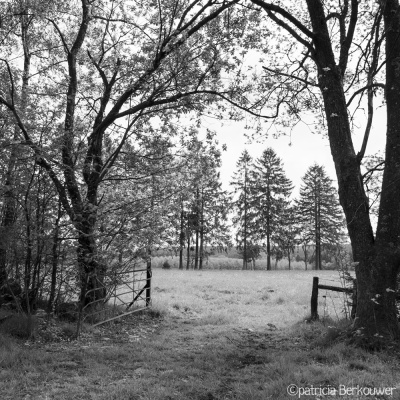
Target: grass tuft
(156, 312)
(220, 318)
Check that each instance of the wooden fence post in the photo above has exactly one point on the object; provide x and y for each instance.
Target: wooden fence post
(148, 283)
(354, 300)
(314, 299)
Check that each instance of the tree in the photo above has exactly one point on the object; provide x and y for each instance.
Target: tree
(319, 210)
(243, 204)
(8, 211)
(270, 193)
(203, 203)
(106, 70)
(214, 206)
(349, 50)
(287, 235)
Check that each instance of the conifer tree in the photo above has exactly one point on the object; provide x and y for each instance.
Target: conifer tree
(287, 235)
(242, 204)
(319, 209)
(271, 191)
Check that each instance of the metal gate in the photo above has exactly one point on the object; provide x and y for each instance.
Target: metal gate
(123, 293)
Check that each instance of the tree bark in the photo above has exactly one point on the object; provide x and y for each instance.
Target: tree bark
(316, 228)
(9, 204)
(188, 248)
(181, 237)
(268, 244)
(196, 254)
(378, 259)
(245, 221)
(201, 231)
(54, 263)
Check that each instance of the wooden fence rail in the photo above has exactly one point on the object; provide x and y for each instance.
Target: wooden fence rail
(352, 291)
(314, 296)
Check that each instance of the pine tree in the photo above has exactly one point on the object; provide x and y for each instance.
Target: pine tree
(287, 235)
(214, 208)
(242, 204)
(271, 191)
(319, 209)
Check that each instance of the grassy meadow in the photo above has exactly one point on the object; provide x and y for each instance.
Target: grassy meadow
(250, 299)
(211, 334)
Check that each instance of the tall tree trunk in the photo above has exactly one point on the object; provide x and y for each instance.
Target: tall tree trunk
(188, 248)
(201, 231)
(316, 239)
(92, 272)
(378, 259)
(245, 221)
(54, 260)
(8, 216)
(196, 254)
(268, 244)
(181, 237)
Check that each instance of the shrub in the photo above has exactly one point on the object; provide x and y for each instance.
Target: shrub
(67, 312)
(69, 331)
(299, 258)
(21, 326)
(166, 265)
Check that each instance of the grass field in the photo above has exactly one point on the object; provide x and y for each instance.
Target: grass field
(222, 335)
(245, 298)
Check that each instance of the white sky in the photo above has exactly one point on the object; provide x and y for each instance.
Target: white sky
(306, 148)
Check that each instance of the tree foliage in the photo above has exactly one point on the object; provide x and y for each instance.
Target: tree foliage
(271, 190)
(99, 73)
(319, 210)
(243, 204)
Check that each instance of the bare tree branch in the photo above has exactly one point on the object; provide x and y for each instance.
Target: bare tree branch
(357, 92)
(307, 83)
(279, 10)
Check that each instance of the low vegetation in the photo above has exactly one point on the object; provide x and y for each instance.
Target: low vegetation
(210, 335)
(224, 262)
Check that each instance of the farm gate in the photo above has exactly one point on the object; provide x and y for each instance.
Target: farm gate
(123, 293)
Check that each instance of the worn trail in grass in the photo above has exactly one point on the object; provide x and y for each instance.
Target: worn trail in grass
(222, 336)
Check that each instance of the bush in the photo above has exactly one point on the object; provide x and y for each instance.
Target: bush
(166, 265)
(10, 293)
(21, 326)
(299, 258)
(69, 331)
(67, 312)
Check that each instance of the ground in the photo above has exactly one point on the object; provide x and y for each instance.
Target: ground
(210, 335)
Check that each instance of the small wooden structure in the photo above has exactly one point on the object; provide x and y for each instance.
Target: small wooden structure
(314, 296)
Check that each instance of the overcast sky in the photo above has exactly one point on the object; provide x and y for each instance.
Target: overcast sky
(306, 148)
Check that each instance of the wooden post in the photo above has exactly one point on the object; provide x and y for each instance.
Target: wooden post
(148, 286)
(354, 300)
(314, 299)
(148, 278)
